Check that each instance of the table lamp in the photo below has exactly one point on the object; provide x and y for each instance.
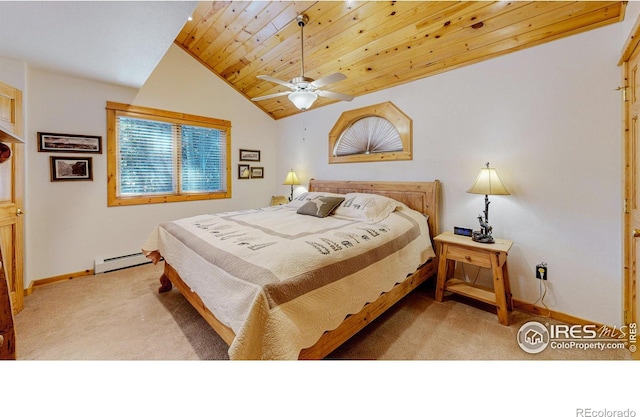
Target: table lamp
(291, 179)
(487, 183)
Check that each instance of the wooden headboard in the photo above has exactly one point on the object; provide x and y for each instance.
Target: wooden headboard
(421, 196)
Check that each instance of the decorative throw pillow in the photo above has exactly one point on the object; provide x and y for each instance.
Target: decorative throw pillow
(304, 198)
(321, 206)
(370, 208)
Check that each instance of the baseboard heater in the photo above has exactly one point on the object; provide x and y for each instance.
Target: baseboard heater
(119, 262)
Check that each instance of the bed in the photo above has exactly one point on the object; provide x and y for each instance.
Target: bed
(281, 283)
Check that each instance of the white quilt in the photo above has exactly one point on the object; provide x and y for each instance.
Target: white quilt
(281, 279)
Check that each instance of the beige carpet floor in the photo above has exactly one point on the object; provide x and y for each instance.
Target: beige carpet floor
(121, 316)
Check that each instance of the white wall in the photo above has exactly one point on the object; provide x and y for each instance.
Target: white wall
(14, 73)
(69, 223)
(630, 16)
(549, 120)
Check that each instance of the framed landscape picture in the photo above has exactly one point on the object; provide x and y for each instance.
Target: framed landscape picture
(249, 155)
(62, 142)
(257, 172)
(71, 169)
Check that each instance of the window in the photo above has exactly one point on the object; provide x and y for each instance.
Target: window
(157, 156)
(375, 133)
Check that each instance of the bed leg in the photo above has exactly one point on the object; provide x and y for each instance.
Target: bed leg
(165, 284)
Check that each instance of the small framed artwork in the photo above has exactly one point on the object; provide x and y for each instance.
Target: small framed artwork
(257, 172)
(71, 169)
(62, 142)
(249, 155)
(244, 173)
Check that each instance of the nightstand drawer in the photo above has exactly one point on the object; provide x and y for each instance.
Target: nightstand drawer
(469, 256)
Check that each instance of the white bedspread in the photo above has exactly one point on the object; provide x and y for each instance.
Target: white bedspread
(281, 279)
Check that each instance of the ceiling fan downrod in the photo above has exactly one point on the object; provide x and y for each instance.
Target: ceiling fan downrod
(302, 20)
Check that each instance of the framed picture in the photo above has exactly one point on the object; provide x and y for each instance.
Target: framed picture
(244, 173)
(257, 172)
(71, 169)
(61, 142)
(249, 155)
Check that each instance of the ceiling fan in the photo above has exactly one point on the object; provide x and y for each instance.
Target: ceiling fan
(304, 90)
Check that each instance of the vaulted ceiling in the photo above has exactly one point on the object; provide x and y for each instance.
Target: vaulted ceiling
(118, 42)
(376, 44)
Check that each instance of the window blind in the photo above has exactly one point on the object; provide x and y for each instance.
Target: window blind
(165, 158)
(203, 157)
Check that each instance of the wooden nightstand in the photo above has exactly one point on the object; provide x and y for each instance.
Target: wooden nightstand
(277, 200)
(454, 248)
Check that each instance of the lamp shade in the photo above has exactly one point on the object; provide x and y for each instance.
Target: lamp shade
(488, 183)
(291, 179)
(303, 99)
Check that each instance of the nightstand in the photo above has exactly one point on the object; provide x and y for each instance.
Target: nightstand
(277, 200)
(455, 248)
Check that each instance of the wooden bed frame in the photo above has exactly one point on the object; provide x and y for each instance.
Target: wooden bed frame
(421, 196)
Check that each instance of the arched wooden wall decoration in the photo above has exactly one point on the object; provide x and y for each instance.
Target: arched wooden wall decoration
(375, 133)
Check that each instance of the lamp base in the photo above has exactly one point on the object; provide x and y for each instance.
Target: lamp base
(481, 237)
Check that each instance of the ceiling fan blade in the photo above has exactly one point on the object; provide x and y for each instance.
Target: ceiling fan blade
(334, 95)
(329, 79)
(277, 81)
(268, 96)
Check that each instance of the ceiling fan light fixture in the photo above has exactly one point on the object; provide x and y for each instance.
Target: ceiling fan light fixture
(304, 90)
(303, 99)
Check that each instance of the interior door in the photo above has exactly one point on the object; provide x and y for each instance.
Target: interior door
(631, 89)
(12, 196)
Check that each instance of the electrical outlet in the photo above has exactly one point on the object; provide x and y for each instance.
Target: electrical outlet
(541, 271)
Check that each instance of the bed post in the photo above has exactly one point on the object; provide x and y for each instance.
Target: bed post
(165, 284)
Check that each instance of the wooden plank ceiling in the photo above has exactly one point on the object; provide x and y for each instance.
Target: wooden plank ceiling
(376, 44)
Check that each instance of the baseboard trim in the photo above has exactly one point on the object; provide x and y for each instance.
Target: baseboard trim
(546, 313)
(52, 280)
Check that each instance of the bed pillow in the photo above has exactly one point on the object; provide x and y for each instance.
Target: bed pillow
(321, 206)
(304, 198)
(370, 208)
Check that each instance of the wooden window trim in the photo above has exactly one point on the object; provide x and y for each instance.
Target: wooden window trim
(119, 109)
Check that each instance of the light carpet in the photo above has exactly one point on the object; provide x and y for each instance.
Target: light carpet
(121, 316)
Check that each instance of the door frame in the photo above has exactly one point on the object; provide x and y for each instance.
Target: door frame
(18, 186)
(630, 300)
